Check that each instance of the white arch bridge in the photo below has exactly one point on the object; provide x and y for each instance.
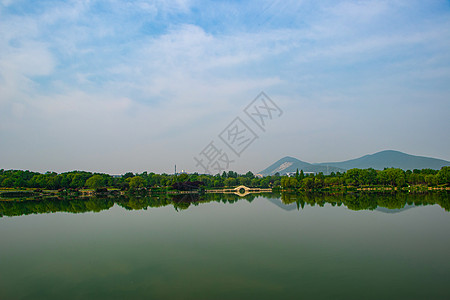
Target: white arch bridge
(241, 190)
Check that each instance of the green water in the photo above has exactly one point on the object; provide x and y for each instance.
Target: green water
(263, 247)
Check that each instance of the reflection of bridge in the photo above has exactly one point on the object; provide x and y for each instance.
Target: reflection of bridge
(241, 190)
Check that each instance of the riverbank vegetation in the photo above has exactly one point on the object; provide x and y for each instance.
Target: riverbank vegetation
(13, 181)
(369, 179)
(80, 179)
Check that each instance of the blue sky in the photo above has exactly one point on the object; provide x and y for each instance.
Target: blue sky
(116, 86)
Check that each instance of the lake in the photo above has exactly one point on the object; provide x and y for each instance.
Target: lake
(270, 246)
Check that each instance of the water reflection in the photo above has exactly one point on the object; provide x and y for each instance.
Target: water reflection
(386, 202)
(370, 201)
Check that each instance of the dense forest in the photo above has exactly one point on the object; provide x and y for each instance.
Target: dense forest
(369, 177)
(352, 178)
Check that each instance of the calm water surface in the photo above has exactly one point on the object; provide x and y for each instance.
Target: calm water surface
(263, 247)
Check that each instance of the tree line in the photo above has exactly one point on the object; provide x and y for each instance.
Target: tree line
(82, 179)
(353, 177)
(393, 177)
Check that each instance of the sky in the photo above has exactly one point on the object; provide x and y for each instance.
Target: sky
(115, 86)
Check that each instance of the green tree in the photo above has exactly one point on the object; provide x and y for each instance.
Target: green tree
(352, 177)
(265, 182)
(232, 174)
(8, 182)
(137, 182)
(392, 176)
(431, 180)
(331, 181)
(78, 181)
(95, 181)
(301, 176)
(127, 175)
(229, 182)
(443, 176)
(308, 182)
(54, 182)
(254, 182)
(180, 178)
(319, 180)
(244, 180)
(249, 175)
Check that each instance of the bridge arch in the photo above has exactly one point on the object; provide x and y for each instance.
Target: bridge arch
(241, 190)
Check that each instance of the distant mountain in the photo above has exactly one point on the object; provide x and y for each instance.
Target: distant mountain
(290, 164)
(391, 159)
(378, 161)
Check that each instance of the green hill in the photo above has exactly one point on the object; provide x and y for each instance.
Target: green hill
(378, 161)
(391, 159)
(290, 164)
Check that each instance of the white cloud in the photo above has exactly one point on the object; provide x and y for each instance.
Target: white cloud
(158, 75)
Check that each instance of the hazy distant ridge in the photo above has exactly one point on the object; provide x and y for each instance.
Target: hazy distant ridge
(290, 164)
(391, 159)
(378, 161)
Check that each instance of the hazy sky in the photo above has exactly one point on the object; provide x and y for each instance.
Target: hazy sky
(115, 86)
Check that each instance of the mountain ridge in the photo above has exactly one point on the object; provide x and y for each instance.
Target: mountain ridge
(290, 164)
(379, 161)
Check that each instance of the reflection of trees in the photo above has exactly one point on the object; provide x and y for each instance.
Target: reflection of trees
(393, 200)
(137, 202)
(369, 201)
(354, 201)
(75, 205)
